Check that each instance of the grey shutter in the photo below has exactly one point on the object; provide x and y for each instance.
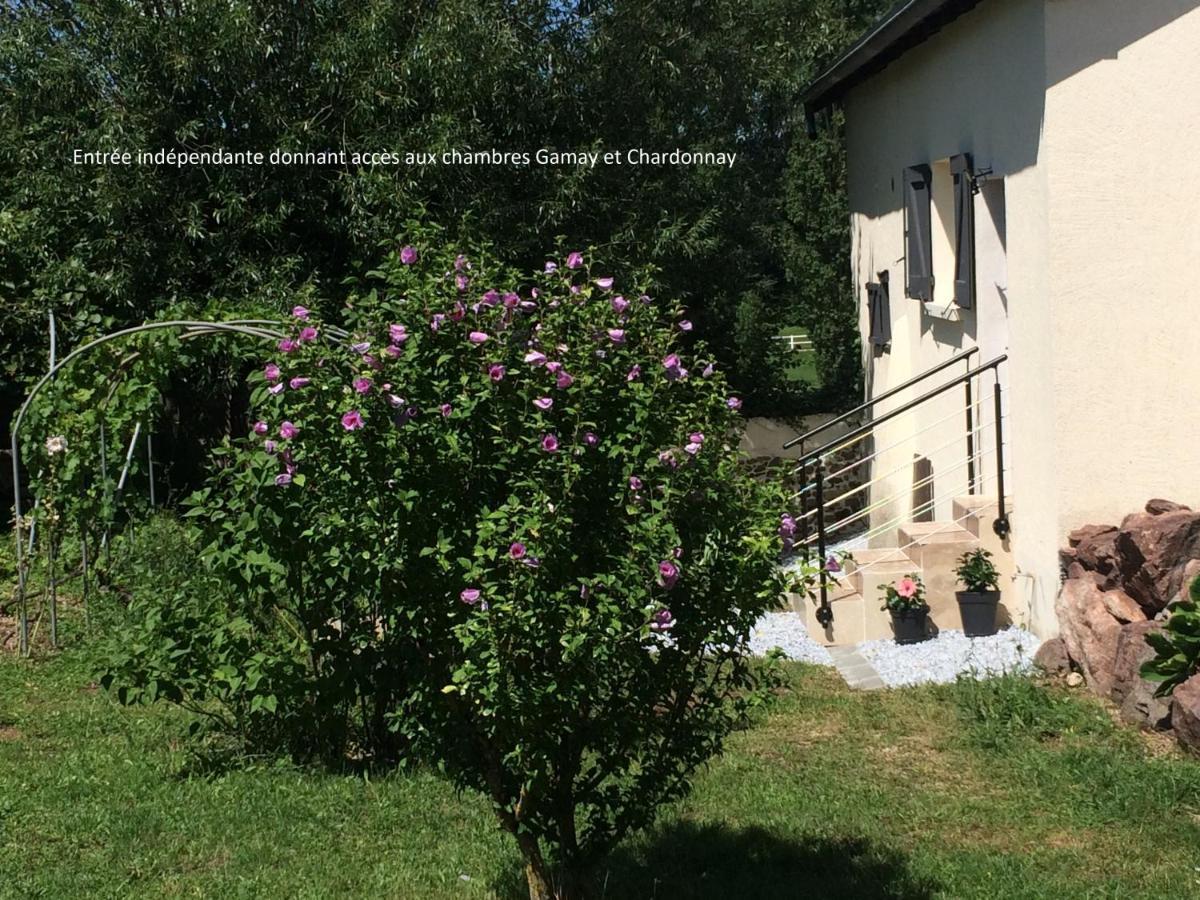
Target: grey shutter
(918, 234)
(879, 312)
(964, 231)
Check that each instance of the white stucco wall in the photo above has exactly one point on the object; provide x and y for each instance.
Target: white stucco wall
(1088, 114)
(975, 87)
(1122, 129)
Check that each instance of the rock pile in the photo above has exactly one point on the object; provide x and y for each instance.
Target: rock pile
(1120, 580)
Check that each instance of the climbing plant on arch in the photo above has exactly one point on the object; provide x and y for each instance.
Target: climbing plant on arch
(64, 443)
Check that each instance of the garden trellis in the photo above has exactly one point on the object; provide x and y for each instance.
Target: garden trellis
(261, 329)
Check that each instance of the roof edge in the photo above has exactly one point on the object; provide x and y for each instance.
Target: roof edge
(904, 26)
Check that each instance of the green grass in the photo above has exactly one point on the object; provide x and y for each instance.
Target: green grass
(1010, 789)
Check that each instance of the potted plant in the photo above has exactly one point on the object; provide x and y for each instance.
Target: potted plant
(981, 595)
(905, 600)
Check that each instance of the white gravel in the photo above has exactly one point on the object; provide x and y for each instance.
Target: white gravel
(786, 631)
(938, 660)
(943, 658)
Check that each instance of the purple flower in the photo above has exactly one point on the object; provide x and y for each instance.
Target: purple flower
(574, 259)
(564, 380)
(459, 312)
(543, 403)
(616, 335)
(634, 374)
(645, 298)
(550, 443)
(395, 401)
(620, 304)
(734, 403)
(276, 388)
(832, 565)
(307, 333)
(708, 370)
(511, 300)
(446, 409)
(261, 427)
(516, 550)
(691, 448)
(675, 369)
(408, 255)
(696, 437)
(269, 445)
(287, 345)
(298, 382)
(352, 420)
(469, 596)
(271, 372)
(477, 337)
(397, 333)
(287, 431)
(392, 350)
(535, 358)
(283, 478)
(551, 266)
(362, 385)
(496, 372)
(685, 325)
(584, 592)
(460, 263)
(462, 282)
(635, 483)
(662, 621)
(787, 531)
(553, 366)
(361, 347)
(436, 322)
(372, 362)
(590, 438)
(667, 458)
(605, 283)
(299, 312)
(668, 574)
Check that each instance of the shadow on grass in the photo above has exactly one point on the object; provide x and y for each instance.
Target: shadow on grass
(688, 861)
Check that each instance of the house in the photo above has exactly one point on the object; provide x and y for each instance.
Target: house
(1023, 181)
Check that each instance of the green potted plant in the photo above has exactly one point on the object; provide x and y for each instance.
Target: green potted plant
(905, 600)
(980, 596)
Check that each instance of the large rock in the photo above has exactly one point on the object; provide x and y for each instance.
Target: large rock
(1158, 506)
(1153, 551)
(1052, 658)
(1185, 713)
(1090, 631)
(1132, 693)
(1095, 548)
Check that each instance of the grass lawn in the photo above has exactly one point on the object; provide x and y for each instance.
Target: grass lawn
(1012, 789)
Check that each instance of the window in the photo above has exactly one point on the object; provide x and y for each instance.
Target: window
(879, 315)
(939, 232)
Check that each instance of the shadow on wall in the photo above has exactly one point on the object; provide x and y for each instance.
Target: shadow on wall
(1086, 32)
(714, 861)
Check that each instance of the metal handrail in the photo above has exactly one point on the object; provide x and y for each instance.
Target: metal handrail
(966, 354)
(928, 395)
(816, 457)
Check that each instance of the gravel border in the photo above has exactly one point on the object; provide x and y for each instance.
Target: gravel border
(942, 659)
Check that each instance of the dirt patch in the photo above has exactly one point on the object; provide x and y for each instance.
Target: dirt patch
(9, 734)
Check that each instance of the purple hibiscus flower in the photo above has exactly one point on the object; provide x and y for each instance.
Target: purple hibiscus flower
(408, 255)
(352, 420)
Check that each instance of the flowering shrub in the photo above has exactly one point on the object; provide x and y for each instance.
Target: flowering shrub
(905, 595)
(507, 515)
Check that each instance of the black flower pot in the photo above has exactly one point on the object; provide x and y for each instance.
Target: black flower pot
(911, 626)
(978, 611)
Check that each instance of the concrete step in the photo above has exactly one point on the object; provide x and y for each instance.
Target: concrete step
(848, 615)
(867, 578)
(976, 512)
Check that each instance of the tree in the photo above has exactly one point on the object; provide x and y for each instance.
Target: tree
(509, 511)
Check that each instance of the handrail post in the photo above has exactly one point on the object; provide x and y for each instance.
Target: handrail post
(803, 492)
(970, 439)
(824, 611)
(1001, 526)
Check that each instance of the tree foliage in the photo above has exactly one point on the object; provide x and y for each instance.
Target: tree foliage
(746, 249)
